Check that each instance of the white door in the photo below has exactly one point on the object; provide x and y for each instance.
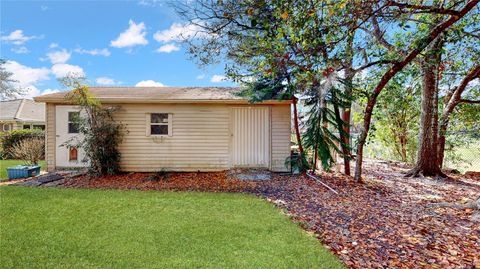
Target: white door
(250, 137)
(66, 156)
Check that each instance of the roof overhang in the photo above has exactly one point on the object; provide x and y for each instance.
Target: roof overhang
(119, 100)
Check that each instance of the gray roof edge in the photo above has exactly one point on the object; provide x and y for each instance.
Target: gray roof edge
(19, 109)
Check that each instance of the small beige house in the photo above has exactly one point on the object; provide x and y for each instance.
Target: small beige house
(178, 129)
(21, 114)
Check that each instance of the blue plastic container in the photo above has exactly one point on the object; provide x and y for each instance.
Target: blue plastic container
(21, 171)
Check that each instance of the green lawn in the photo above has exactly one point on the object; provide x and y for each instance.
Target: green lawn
(7, 163)
(73, 228)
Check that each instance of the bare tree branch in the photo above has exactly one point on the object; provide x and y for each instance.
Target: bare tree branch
(361, 68)
(425, 9)
(469, 101)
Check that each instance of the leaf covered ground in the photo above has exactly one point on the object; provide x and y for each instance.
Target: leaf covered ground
(387, 222)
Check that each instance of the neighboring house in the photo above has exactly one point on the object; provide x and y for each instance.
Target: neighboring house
(179, 129)
(21, 114)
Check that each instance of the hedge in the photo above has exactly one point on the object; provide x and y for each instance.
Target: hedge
(9, 139)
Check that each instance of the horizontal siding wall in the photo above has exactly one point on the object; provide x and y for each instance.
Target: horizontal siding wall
(17, 126)
(50, 136)
(199, 141)
(281, 136)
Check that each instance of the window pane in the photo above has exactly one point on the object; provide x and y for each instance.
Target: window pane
(159, 129)
(72, 128)
(26, 127)
(159, 118)
(73, 116)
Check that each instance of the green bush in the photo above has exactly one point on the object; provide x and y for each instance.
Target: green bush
(12, 138)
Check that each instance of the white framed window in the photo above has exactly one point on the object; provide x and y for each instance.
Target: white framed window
(7, 127)
(73, 122)
(27, 127)
(159, 124)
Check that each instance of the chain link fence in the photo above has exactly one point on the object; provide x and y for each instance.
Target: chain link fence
(460, 153)
(464, 158)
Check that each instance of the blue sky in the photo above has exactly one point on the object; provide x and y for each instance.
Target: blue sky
(112, 43)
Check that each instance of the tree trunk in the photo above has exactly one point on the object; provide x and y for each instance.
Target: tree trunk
(362, 139)
(297, 128)
(345, 135)
(427, 155)
(346, 138)
(403, 147)
(397, 67)
(341, 130)
(452, 100)
(441, 143)
(346, 121)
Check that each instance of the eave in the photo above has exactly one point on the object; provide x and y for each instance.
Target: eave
(120, 100)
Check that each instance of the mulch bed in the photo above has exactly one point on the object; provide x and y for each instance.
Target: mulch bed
(205, 182)
(388, 222)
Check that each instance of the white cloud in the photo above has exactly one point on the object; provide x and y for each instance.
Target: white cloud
(218, 78)
(149, 83)
(62, 70)
(201, 76)
(20, 50)
(32, 91)
(106, 81)
(48, 91)
(53, 45)
(18, 38)
(178, 32)
(59, 57)
(167, 48)
(133, 36)
(29, 92)
(93, 52)
(151, 3)
(26, 76)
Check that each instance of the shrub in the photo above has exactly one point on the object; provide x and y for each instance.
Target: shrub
(100, 133)
(298, 163)
(12, 138)
(30, 150)
(162, 175)
(101, 137)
